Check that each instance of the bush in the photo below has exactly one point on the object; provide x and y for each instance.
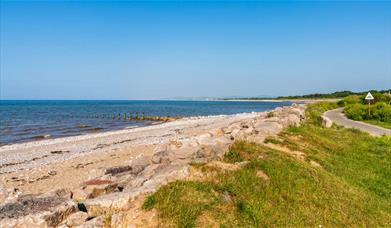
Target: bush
(353, 99)
(356, 111)
(380, 111)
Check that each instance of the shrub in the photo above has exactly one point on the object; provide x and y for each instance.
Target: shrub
(356, 111)
(380, 111)
(352, 99)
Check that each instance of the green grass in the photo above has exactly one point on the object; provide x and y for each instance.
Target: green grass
(351, 188)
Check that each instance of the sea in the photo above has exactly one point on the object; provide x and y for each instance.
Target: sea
(29, 120)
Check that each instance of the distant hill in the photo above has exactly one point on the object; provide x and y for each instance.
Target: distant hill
(338, 94)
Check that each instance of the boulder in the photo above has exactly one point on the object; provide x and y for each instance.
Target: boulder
(37, 210)
(209, 153)
(326, 122)
(107, 204)
(293, 119)
(268, 128)
(76, 219)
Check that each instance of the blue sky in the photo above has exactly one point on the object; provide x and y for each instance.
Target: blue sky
(151, 50)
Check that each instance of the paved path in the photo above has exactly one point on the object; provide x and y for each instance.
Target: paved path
(339, 118)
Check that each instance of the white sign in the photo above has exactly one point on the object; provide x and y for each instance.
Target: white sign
(369, 96)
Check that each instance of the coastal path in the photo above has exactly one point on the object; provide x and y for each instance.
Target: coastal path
(337, 116)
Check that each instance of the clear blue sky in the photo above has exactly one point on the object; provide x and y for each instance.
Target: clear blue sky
(149, 50)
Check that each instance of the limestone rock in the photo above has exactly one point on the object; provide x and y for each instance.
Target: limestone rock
(37, 210)
(118, 169)
(326, 122)
(76, 219)
(109, 203)
(269, 128)
(293, 119)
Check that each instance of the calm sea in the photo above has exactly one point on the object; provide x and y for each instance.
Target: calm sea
(22, 121)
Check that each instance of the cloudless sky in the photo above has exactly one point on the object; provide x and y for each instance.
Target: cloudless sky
(152, 50)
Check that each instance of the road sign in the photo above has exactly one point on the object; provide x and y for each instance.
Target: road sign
(369, 96)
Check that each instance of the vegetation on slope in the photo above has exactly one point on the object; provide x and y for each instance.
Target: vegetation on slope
(307, 176)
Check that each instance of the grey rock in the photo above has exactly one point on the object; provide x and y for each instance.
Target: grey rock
(326, 122)
(38, 210)
(76, 219)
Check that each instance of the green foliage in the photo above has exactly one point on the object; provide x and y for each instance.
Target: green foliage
(352, 99)
(356, 111)
(270, 114)
(356, 108)
(380, 111)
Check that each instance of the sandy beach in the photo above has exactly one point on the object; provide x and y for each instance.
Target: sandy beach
(26, 165)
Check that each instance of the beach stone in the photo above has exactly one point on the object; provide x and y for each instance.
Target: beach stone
(269, 128)
(147, 174)
(109, 203)
(118, 169)
(183, 154)
(326, 122)
(94, 191)
(76, 219)
(167, 174)
(293, 120)
(209, 153)
(37, 210)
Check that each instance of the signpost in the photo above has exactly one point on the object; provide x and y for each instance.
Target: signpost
(368, 98)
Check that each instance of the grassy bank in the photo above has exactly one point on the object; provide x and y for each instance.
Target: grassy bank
(307, 176)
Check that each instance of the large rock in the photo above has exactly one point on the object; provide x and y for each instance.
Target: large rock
(294, 119)
(109, 203)
(326, 122)
(76, 219)
(45, 210)
(268, 128)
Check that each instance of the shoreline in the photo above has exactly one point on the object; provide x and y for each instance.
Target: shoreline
(20, 153)
(109, 171)
(49, 141)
